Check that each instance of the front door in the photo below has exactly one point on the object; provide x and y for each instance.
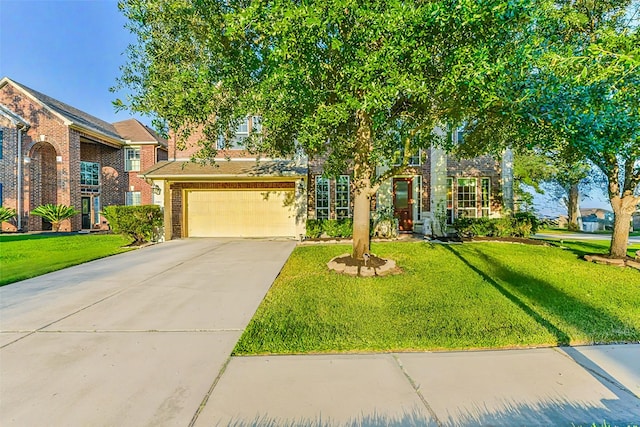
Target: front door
(86, 213)
(403, 203)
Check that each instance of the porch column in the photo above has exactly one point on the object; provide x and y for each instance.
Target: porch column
(438, 183)
(506, 167)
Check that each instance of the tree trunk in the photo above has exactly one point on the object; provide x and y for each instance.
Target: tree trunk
(623, 208)
(363, 172)
(573, 208)
(361, 214)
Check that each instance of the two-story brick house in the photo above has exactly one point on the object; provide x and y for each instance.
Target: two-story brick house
(51, 152)
(237, 196)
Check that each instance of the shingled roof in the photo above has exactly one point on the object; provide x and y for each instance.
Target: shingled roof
(134, 131)
(67, 112)
(226, 168)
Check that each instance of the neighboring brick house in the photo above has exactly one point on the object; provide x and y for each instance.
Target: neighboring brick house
(54, 153)
(238, 196)
(143, 150)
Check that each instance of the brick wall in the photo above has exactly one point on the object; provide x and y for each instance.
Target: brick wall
(55, 150)
(8, 170)
(177, 151)
(483, 166)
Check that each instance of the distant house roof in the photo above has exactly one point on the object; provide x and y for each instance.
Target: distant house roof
(134, 131)
(598, 212)
(71, 115)
(225, 169)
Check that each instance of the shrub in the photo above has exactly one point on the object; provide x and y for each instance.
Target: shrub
(463, 226)
(314, 228)
(141, 223)
(329, 227)
(55, 214)
(6, 214)
(522, 224)
(385, 224)
(526, 224)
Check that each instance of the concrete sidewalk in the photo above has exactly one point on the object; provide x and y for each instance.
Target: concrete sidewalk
(537, 387)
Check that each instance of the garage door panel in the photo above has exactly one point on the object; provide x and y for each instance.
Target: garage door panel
(240, 213)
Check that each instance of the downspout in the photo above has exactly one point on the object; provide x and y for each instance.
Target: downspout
(19, 189)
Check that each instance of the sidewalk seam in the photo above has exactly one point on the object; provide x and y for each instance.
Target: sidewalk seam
(417, 390)
(206, 397)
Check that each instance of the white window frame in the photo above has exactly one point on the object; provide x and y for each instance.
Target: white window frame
(322, 187)
(450, 207)
(132, 159)
(468, 197)
(485, 198)
(94, 179)
(133, 198)
(343, 197)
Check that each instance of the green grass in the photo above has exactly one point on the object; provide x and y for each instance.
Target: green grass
(28, 255)
(475, 295)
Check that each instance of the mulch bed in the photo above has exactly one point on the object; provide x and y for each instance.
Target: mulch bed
(349, 261)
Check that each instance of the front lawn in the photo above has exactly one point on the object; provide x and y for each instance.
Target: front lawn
(474, 295)
(28, 255)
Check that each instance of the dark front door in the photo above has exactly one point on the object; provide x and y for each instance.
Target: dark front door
(403, 203)
(86, 213)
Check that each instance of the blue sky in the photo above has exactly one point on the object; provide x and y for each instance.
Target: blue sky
(71, 50)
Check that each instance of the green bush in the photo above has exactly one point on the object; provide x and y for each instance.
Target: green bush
(329, 227)
(522, 224)
(526, 224)
(141, 223)
(314, 228)
(384, 224)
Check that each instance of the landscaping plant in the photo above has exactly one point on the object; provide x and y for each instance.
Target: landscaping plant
(141, 223)
(6, 214)
(55, 214)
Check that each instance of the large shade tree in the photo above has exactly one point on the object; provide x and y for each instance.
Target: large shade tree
(589, 89)
(361, 83)
(580, 93)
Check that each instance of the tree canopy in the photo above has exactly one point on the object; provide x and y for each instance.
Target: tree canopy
(581, 91)
(362, 84)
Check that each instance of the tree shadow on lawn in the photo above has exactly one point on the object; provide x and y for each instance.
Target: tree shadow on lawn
(515, 285)
(582, 248)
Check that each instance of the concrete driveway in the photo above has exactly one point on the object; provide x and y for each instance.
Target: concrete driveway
(135, 339)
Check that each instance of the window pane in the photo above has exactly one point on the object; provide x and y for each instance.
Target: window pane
(467, 188)
(89, 173)
(132, 159)
(243, 127)
(322, 198)
(342, 197)
(401, 195)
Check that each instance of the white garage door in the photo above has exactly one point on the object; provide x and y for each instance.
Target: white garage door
(240, 213)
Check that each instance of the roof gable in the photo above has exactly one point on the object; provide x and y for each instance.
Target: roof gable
(70, 115)
(134, 131)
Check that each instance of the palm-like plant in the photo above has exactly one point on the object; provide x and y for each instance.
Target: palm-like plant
(55, 214)
(6, 214)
